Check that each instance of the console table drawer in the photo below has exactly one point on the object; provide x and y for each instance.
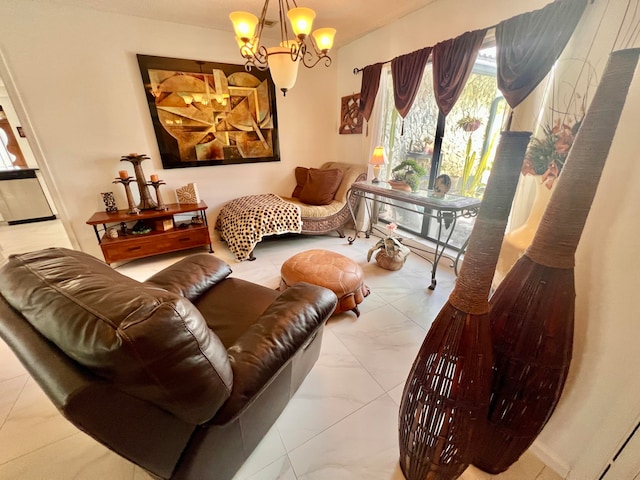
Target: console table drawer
(139, 247)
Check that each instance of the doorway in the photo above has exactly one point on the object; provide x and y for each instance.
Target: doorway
(29, 218)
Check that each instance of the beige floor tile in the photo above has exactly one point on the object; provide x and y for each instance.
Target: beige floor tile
(75, 457)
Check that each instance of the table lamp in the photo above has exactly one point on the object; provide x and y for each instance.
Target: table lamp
(377, 160)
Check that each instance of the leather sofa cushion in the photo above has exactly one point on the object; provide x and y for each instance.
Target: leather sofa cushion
(287, 326)
(227, 315)
(321, 186)
(192, 276)
(151, 343)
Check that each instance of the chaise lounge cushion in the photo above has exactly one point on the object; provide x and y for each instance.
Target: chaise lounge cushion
(147, 343)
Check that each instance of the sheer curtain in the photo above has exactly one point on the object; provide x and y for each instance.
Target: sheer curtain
(372, 140)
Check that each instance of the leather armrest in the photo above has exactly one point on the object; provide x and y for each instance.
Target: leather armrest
(284, 328)
(191, 276)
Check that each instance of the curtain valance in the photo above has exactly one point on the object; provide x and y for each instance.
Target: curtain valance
(453, 61)
(528, 45)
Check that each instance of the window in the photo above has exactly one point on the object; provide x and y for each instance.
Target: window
(468, 141)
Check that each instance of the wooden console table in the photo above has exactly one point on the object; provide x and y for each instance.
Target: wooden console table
(166, 235)
(445, 210)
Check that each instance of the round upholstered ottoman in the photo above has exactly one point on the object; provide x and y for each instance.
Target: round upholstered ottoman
(330, 270)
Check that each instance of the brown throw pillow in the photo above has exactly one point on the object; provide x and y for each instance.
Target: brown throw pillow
(321, 186)
(301, 178)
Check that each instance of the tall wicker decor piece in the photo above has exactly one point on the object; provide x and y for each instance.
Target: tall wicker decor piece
(532, 310)
(448, 387)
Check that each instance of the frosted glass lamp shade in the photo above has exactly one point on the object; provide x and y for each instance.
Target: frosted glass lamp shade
(324, 38)
(284, 70)
(301, 19)
(244, 24)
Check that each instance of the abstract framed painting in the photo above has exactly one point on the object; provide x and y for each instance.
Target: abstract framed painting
(207, 113)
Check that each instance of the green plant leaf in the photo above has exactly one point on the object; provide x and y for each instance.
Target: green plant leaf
(482, 166)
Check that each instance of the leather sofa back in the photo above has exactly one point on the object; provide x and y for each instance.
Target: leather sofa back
(151, 343)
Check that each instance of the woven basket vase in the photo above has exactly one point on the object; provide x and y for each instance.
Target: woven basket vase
(448, 387)
(532, 310)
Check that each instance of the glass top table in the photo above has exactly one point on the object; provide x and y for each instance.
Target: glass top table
(446, 210)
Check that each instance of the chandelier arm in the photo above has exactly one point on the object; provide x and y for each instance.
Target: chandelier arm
(298, 51)
(261, 21)
(284, 31)
(256, 60)
(307, 60)
(260, 58)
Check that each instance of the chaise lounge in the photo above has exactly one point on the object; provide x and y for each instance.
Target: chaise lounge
(179, 374)
(319, 204)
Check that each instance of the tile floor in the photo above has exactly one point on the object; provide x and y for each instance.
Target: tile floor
(341, 424)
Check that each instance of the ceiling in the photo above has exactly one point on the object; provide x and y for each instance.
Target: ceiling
(351, 18)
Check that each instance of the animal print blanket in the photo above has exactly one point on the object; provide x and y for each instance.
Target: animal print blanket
(244, 221)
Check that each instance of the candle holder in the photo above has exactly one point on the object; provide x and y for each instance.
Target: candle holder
(133, 210)
(146, 202)
(156, 185)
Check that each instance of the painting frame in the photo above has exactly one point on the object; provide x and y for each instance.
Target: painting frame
(210, 113)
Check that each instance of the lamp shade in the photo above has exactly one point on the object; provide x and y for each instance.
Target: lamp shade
(301, 19)
(244, 24)
(377, 158)
(284, 70)
(324, 38)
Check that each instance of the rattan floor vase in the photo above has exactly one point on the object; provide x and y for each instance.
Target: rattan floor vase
(532, 310)
(447, 391)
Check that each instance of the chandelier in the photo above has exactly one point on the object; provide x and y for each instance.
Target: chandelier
(283, 60)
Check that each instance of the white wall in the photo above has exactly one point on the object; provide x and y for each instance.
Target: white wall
(600, 400)
(76, 73)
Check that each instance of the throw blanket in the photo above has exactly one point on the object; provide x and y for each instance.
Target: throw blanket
(244, 221)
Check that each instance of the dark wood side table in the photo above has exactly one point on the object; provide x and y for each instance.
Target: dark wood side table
(166, 235)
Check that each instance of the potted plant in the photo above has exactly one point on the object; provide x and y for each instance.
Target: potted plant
(469, 123)
(391, 252)
(406, 175)
(546, 155)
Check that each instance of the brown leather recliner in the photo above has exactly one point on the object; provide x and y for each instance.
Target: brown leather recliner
(182, 374)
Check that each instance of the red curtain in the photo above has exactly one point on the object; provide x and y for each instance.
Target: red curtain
(529, 44)
(369, 88)
(452, 64)
(406, 71)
